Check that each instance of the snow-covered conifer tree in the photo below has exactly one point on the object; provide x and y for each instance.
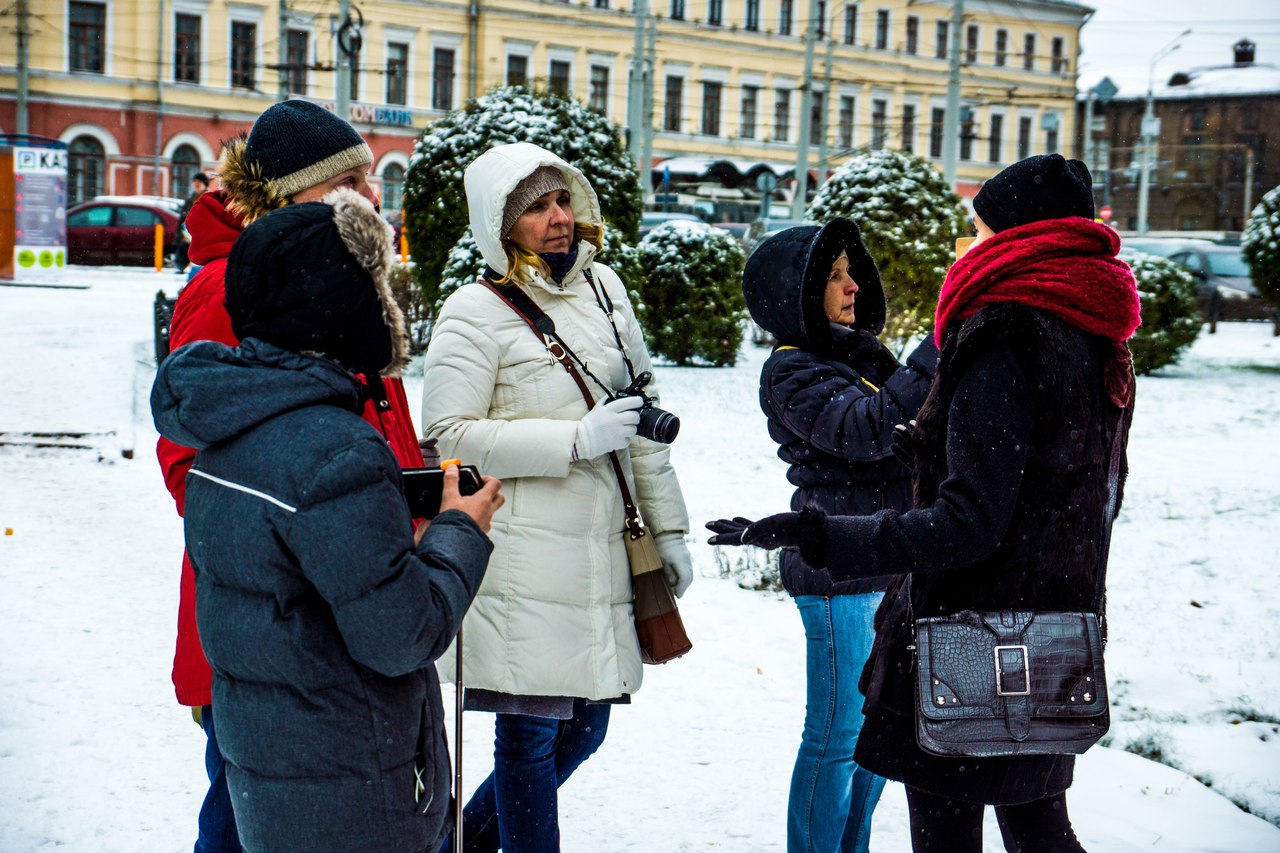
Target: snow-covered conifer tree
(909, 219)
(1171, 319)
(1261, 246)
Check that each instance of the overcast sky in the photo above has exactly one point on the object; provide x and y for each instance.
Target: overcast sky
(1123, 35)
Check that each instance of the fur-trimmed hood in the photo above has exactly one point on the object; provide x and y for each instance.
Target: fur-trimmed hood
(248, 193)
(315, 277)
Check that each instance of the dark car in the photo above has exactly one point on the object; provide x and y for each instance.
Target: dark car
(121, 229)
(1218, 267)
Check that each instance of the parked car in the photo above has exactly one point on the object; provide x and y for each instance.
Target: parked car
(651, 219)
(1220, 267)
(121, 229)
(1161, 246)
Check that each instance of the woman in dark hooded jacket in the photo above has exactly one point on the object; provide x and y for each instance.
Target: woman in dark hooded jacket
(832, 394)
(1014, 499)
(319, 609)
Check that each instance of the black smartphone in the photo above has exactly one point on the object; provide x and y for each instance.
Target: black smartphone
(423, 488)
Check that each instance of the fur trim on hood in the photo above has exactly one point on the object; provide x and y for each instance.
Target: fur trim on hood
(249, 195)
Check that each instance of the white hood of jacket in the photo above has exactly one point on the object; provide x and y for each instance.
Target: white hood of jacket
(494, 174)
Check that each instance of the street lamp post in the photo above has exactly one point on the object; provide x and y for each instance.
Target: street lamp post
(1150, 133)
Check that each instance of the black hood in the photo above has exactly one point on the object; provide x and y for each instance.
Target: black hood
(786, 278)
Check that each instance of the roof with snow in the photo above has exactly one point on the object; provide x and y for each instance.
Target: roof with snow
(1259, 78)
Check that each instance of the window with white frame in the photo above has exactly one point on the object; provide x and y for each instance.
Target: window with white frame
(712, 91)
(244, 54)
(87, 37)
(913, 34)
(186, 47)
(559, 72)
(397, 73)
(848, 106)
(781, 114)
(598, 93)
(851, 23)
(296, 60)
(750, 111)
(673, 106)
(882, 29)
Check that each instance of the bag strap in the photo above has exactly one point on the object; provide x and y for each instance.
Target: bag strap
(543, 326)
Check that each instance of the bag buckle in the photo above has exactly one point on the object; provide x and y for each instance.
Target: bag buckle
(1011, 663)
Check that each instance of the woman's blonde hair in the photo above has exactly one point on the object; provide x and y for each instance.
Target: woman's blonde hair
(520, 259)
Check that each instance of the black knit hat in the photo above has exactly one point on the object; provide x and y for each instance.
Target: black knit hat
(1046, 186)
(298, 144)
(313, 278)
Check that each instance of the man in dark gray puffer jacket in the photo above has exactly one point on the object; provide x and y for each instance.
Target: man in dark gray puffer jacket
(319, 610)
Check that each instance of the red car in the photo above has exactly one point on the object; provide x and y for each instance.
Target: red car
(121, 229)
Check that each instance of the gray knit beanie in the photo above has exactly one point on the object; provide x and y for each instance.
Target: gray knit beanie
(298, 144)
(540, 181)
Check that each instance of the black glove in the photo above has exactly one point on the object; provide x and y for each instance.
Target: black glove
(904, 445)
(786, 529)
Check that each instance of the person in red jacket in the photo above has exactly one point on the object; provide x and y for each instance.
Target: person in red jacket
(295, 152)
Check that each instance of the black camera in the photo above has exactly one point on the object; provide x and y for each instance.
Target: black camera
(655, 424)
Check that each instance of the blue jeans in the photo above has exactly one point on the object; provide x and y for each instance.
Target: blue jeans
(217, 823)
(832, 798)
(516, 808)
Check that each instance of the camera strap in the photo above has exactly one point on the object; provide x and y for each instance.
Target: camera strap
(542, 326)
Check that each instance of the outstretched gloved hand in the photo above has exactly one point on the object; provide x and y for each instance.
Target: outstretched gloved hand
(606, 427)
(787, 529)
(677, 565)
(904, 444)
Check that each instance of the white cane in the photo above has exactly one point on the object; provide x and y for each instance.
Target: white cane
(457, 752)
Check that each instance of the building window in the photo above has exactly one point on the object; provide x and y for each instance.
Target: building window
(1058, 48)
(244, 51)
(908, 128)
(183, 165)
(879, 123)
(1198, 118)
(781, 114)
(971, 44)
(995, 140)
(87, 37)
(517, 70)
(558, 78)
(1250, 116)
(847, 106)
(822, 19)
(882, 29)
(942, 32)
(715, 12)
(1029, 52)
(393, 187)
(86, 165)
(1024, 137)
(674, 104)
(913, 33)
(186, 48)
(602, 4)
(750, 108)
(1051, 141)
(711, 108)
(397, 73)
(295, 60)
(598, 96)
(1002, 47)
(937, 121)
(968, 132)
(753, 15)
(786, 11)
(443, 60)
(817, 113)
(851, 23)
(677, 10)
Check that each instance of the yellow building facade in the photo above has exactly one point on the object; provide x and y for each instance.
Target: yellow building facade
(143, 92)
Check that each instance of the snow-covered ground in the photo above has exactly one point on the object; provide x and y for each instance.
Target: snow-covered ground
(96, 756)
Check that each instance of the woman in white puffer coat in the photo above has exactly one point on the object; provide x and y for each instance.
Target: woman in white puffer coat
(550, 642)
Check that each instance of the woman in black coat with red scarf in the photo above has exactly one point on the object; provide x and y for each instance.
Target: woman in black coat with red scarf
(1012, 453)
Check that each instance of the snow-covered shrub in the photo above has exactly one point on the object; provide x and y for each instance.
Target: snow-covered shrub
(435, 205)
(1171, 320)
(749, 568)
(691, 302)
(1261, 247)
(909, 219)
(417, 313)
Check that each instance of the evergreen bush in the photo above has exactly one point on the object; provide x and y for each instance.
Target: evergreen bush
(909, 220)
(691, 301)
(435, 204)
(1261, 248)
(1171, 319)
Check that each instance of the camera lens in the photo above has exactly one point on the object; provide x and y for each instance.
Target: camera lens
(658, 425)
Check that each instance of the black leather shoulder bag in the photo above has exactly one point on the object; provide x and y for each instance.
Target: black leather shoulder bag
(1015, 682)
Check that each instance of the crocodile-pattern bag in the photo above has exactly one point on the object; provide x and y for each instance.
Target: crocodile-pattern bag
(1009, 683)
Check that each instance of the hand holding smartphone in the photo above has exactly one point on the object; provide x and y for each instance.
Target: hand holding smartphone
(424, 487)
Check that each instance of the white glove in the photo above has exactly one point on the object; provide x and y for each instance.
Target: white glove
(609, 426)
(677, 565)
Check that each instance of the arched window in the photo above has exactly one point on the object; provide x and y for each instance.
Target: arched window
(184, 163)
(392, 186)
(86, 166)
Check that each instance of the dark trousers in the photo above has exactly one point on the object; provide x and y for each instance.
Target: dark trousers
(217, 822)
(517, 807)
(953, 826)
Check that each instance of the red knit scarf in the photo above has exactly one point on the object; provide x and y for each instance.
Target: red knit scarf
(1065, 266)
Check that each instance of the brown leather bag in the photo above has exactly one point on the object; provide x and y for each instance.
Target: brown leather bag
(658, 623)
